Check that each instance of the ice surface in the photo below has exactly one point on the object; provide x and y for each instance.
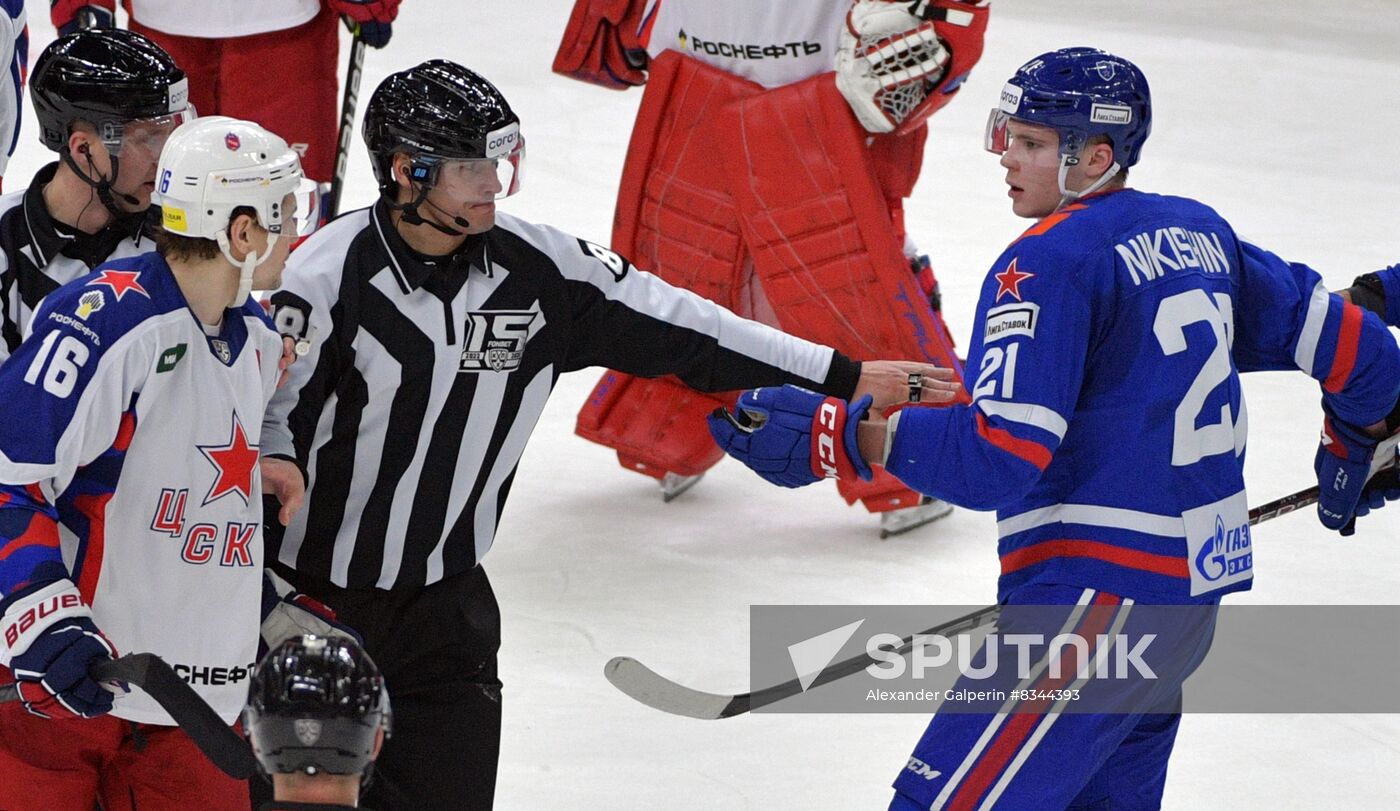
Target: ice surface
(1279, 113)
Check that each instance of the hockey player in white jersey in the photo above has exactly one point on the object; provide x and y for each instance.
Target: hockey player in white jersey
(130, 510)
(105, 101)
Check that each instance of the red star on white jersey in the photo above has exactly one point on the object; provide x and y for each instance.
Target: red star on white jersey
(121, 281)
(234, 462)
(1009, 281)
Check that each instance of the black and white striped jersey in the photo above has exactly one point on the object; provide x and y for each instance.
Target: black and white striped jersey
(38, 257)
(422, 383)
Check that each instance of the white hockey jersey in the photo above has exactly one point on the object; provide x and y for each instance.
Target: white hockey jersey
(216, 19)
(765, 41)
(138, 432)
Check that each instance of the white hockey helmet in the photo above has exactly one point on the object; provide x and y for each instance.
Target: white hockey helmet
(212, 166)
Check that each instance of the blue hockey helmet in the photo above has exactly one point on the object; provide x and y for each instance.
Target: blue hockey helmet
(1080, 93)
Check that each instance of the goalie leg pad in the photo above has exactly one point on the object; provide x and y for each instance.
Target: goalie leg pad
(822, 239)
(674, 219)
(651, 424)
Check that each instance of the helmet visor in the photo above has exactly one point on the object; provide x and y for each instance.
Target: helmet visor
(996, 139)
(483, 179)
(302, 216)
(143, 137)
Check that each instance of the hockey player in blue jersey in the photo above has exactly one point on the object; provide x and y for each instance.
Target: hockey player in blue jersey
(130, 499)
(1107, 430)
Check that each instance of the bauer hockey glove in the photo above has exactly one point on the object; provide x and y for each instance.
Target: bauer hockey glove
(72, 16)
(1355, 473)
(373, 17)
(287, 612)
(49, 643)
(793, 437)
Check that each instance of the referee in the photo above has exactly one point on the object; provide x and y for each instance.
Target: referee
(432, 329)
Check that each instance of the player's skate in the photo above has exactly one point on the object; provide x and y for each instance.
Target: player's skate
(673, 484)
(898, 522)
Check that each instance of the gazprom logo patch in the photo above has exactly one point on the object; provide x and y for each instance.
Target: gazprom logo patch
(1228, 552)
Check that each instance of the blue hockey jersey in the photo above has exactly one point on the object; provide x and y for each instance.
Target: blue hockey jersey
(1108, 426)
(129, 463)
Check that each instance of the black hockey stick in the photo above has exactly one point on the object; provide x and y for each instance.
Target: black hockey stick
(225, 748)
(654, 690)
(348, 102)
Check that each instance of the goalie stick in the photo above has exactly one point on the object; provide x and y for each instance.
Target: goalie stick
(225, 748)
(645, 685)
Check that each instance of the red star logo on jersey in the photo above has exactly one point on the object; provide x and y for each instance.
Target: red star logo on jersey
(121, 281)
(1009, 281)
(234, 462)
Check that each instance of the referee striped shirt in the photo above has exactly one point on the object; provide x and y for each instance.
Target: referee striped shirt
(423, 381)
(36, 257)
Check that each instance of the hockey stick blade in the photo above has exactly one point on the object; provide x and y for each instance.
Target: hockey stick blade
(225, 748)
(645, 685)
(658, 692)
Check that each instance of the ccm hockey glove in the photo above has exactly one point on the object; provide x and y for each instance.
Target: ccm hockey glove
(49, 642)
(793, 437)
(287, 612)
(374, 18)
(1355, 473)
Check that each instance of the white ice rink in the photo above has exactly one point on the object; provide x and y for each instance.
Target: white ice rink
(1282, 114)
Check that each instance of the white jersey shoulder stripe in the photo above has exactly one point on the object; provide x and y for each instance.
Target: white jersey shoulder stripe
(1305, 356)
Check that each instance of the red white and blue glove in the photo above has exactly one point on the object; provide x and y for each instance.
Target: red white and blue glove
(48, 640)
(793, 437)
(1355, 473)
(287, 613)
(72, 16)
(374, 18)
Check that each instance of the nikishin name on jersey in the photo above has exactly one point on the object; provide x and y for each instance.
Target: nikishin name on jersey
(736, 50)
(1149, 255)
(1017, 318)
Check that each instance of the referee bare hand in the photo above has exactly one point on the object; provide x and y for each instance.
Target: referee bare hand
(283, 479)
(895, 382)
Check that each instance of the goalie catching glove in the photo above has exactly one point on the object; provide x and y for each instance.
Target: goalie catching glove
(793, 437)
(899, 61)
(288, 613)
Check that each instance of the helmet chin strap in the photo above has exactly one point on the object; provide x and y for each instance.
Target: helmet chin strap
(410, 215)
(1067, 196)
(103, 184)
(246, 267)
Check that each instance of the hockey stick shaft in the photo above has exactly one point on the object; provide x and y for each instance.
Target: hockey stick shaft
(225, 748)
(641, 683)
(348, 102)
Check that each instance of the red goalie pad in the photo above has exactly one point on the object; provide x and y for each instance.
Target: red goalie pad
(600, 44)
(770, 203)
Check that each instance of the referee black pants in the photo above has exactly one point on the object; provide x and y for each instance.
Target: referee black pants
(436, 647)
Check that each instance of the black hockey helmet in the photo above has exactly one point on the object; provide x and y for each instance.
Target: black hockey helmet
(439, 111)
(316, 705)
(107, 77)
